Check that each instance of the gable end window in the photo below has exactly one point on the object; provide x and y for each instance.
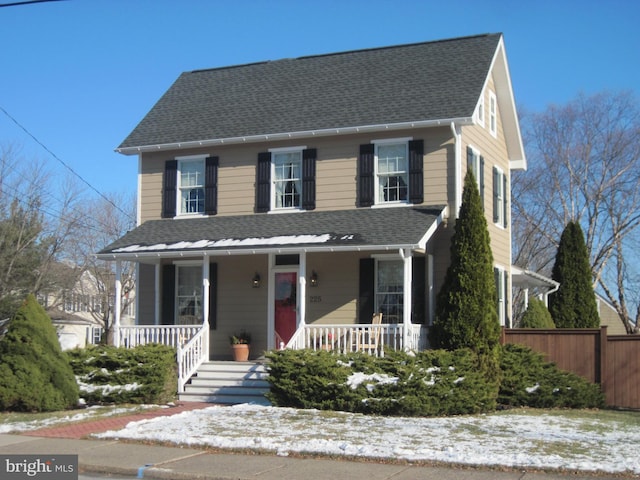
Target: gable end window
(190, 186)
(285, 180)
(493, 114)
(480, 112)
(391, 171)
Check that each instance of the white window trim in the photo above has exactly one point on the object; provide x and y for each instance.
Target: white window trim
(480, 112)
(502, 299)
(501, 221)
(476, 163)
(376, 185)
(272, 201)
(182, 160)
(493, 114)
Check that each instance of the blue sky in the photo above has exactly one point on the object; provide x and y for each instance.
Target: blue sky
(80, 74)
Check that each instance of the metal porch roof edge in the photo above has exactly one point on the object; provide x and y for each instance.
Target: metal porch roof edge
(325, 231)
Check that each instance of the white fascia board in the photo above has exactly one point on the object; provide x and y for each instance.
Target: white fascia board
(294, 135)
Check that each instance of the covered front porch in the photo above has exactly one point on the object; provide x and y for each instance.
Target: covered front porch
(302, 289)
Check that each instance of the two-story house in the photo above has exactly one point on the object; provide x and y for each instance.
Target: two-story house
(295, 198)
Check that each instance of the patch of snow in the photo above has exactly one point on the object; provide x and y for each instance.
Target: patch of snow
(358, 378)
(533, 389)
(508, 439)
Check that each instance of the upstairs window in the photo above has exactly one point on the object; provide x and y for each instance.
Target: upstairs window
(191, 186)
(287, 179)
(499, 197)
(392, 172)
(475, 163)
(480, 113)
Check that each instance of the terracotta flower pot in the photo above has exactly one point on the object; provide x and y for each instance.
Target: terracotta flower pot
(240, 352)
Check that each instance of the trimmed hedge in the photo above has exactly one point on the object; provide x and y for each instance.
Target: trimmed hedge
(434, 382)
(144, 374)
(35, 375)
(429, 383)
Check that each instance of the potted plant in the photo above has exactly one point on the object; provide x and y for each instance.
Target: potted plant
(240, 343)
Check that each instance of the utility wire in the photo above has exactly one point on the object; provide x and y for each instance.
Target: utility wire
(24, 129)
(26, 2)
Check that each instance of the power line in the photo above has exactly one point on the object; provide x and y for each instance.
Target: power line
(26, 2)
(24, 129)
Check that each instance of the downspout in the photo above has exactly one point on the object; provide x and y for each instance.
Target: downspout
(457, 150)
(116, 304)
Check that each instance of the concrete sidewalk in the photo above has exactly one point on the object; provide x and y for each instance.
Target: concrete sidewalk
(176, 463)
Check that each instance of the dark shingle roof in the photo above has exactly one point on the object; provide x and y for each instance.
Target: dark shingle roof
(406, 83)
(351, 229)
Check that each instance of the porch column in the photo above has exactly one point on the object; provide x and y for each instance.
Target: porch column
(303, 288)
(116, 304)
(406, 307)
(205, 291)
(156, 295)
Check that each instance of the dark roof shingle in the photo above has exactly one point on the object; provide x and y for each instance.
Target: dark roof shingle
(352, 229)
(391, 85)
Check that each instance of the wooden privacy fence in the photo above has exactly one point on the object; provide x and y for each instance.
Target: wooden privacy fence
(611, 361)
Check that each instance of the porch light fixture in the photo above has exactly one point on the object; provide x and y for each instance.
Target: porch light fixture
(314, 279)
(255, 282)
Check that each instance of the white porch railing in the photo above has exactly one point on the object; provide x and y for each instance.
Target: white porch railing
(372, 339)
(191, 342)
(192, 355)
(172, 335)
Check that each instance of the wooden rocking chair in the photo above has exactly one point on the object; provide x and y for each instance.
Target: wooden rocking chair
(369, 340)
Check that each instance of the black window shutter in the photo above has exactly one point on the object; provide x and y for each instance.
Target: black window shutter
(366, 300)
(418, 289)
(504, 201)
(263, 182)
(496, 186)
(211, 186)
(365, 175)
(213, 295)
(470, 159)
(170, 186)
(309, 179)
(481, 179)
(168, 294)
(416, 176)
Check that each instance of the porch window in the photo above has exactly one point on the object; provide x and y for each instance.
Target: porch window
(189, 294)
(287, 180)
(191, 186)
(392, 172)
(389, 297)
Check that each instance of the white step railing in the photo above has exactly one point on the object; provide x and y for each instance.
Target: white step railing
(191, 356)
(372, 339)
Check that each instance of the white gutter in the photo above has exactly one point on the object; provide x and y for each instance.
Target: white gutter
(457, 149)
(292, 135)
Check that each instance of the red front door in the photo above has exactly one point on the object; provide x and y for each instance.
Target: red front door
(285, 305)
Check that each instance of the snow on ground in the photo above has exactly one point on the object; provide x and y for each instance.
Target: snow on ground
(513, 439)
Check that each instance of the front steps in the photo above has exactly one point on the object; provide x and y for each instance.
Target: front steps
(228, 383)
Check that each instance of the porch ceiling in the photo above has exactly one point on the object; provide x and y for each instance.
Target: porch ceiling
(340, 230)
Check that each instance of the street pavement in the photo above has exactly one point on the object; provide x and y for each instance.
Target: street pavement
(140, 460)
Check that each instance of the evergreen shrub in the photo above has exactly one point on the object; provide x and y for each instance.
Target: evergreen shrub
(144, 374)
(537, 315)
(530, 381)
(429, 383)
(35, 375)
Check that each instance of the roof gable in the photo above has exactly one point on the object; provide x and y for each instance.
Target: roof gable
(423, 82)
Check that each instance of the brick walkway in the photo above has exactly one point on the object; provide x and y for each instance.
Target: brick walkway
(85, 428)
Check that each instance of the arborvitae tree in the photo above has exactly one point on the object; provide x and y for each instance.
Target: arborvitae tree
(574, 304)
(466, 315)
(537, 315)
(34, 373)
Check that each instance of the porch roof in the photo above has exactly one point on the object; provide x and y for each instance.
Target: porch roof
(340, 230)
